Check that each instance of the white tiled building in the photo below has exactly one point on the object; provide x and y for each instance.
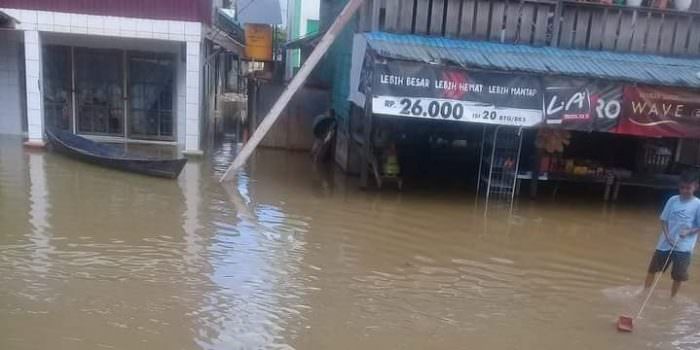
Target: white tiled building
(132, 72)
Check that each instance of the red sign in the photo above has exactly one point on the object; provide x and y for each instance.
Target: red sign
(660, 112)
(584, 105)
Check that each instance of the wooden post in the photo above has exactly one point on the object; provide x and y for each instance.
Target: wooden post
(296, 83)
(366, 156)
(366, 141)
(557, 23)
(535, 174)
(252, 108)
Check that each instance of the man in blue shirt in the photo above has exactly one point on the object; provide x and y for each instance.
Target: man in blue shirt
(680, 225)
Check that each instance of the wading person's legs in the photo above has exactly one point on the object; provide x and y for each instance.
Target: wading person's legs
(679, 271)
(675, 287)
(649, 280)
(656, 265)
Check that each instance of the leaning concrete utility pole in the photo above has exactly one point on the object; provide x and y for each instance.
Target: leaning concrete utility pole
(296, 83)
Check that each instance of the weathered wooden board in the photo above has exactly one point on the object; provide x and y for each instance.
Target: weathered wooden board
(454, 8)
(422, 12)
(466, 27)
(376, 12)
(611, 25)
(566, 36)
(483, 8)
(652, 43)
(583, 22)
(406, 17)
(527, 23)
(641, 26)
(596, 35)
(681, 37)
(540, 37)
(393, 8)
(365, 13)
(437, 17)
(624, 40)
(666, 41)
(694, 40)
(498, 9)
(512, 19)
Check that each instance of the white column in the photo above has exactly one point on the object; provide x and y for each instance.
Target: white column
(193, 88)
(35, 101)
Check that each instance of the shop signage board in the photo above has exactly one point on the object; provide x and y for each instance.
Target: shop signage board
(416, 90)
(427, 91)
(660, 112)
(258, 41)
(584, 105)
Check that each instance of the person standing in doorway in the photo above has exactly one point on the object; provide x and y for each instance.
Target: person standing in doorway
(680, 225)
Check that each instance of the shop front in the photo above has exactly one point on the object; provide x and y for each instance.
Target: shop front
(622, 135)
(110, 93)
(556, 119)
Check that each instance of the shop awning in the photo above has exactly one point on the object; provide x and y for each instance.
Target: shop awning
(620, 67)
(227, 32)
(306, 41)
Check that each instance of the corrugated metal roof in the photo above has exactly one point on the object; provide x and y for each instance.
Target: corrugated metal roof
(626, 67)
(308, 40)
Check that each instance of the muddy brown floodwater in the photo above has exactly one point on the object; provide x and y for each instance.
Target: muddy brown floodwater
(288, 257)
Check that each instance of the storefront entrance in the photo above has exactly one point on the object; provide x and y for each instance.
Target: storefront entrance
(110, 93)
(99, 92)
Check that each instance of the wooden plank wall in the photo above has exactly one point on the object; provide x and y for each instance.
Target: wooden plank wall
(437, 16)
(629, 30)
(466, 24)
(406, 16)
(539, 37)
(422, 16)
(453, 11)
(506, 20)
(581, 26)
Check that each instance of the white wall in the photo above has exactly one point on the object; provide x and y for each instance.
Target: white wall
(309, 10)
(122, 33)
(10, 93)
(125, 27)
(181, 91)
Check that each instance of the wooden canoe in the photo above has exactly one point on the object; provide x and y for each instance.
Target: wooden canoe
(112, 157)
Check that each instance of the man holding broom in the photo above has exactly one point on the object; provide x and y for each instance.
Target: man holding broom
(680, 225)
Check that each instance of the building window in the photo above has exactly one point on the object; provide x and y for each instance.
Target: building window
(99, 91)
(150, 90)
(58, 97)
(116, 93)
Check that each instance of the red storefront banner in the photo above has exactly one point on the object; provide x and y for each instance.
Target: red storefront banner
(660, 112)
(584, 105)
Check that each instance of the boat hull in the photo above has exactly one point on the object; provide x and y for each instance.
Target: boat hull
(92, 152)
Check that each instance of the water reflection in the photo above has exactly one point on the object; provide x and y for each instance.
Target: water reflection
(255, 256)
(40, 235)
(291, 257)
(189, 182)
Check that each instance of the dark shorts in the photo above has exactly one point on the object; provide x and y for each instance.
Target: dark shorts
(679, 260)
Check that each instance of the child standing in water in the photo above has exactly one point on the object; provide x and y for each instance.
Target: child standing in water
(680, 225)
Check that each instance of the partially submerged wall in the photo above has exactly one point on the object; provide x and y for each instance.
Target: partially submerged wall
(293, 130)
(10, 87)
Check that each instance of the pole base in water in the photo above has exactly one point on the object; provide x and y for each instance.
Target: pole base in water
(624, 324)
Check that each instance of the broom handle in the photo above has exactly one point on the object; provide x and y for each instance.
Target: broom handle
(658, 278)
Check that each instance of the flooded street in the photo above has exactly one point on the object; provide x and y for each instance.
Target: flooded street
(288, 257)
